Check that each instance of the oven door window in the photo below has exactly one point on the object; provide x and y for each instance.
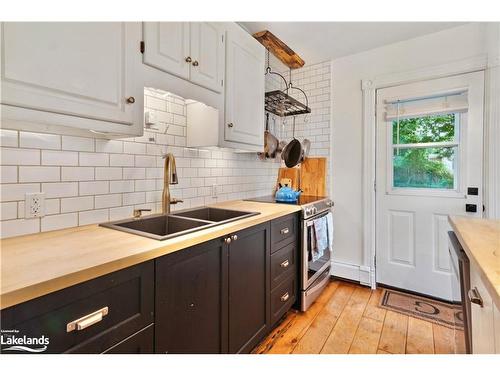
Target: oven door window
(316, 261)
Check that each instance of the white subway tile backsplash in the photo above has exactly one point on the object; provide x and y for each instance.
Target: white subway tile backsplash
(134, 148)
(40, 140)
(108, 173)
(39, 174)
(77, 173)
(16, 156)
(54, 222)
(16, 192)
(145, 185)
(145, 161)
(93, 217)
(94, 187)
(119, 213)
(11, 228)
(134, 173)
(8, 211)
(77, 143)
(121, 186)
(134, 198)
(94, 159)
(59, 157)
(109, 146)
(8, 174)
(77, 204)
(8, 138)
(121, 160)
(108, 200)
(60, 189)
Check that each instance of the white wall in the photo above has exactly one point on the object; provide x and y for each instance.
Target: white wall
(347, 136)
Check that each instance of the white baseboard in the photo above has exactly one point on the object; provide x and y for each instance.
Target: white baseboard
(352, 272)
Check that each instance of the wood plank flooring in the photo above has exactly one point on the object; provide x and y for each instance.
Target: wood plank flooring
(346, 319)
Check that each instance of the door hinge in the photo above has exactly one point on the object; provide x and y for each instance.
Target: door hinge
(375, 261)
(222, 38)
(142, 46)
(222, 82)
(375, 186)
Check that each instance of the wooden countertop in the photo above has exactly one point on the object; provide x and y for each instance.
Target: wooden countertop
(38, 264)
(480, 238)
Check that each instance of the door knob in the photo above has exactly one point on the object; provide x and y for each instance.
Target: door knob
(195, 63)
(230, 125)
(131, 100)
(188, 59)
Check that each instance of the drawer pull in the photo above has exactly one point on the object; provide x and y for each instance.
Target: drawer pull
(284, 231)
(87, 320)
(475, 297)
(285, 297)
(285, 264)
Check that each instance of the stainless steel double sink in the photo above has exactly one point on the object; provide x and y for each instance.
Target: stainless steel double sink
(163, 227)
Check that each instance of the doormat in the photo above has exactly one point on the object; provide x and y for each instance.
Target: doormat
(445, 314)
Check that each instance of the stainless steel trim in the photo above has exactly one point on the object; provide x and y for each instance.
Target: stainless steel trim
(87, 320)
(309, 296)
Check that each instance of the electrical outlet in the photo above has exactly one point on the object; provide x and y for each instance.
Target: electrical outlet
(34, 205)
(214, 191)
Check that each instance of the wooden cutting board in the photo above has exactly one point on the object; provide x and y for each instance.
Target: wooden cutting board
(291, 173)
(313, 176)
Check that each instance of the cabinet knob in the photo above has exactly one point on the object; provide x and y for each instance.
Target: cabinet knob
(188, 59)
(130, 100)
(195, 63)
(234, 237)
(230, 125)
(227, 240)
(475, 297)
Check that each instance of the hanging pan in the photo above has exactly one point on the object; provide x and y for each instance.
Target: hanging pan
(292, 152)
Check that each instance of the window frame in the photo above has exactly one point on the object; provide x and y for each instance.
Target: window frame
(458, 168)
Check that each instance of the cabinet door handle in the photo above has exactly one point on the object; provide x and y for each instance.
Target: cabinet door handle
(87, 320)
(195, 63)
(284, 231)
(230, 125)
(130, 100)
(188, 59)
(234, 237)
(285, 264)
(285, 297)
(227, 240)
(475, 297)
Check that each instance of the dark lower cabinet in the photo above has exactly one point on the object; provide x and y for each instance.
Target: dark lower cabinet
(141, 342)
(249, 288)
(191, 300)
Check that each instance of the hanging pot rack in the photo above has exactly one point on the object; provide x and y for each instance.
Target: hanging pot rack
(279, 102)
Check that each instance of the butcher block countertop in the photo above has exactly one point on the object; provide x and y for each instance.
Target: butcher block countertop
(38, 264)
(480, 238)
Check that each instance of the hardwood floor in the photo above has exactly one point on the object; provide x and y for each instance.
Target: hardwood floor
(346, 319)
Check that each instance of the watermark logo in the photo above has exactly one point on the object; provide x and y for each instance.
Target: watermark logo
(11, 341)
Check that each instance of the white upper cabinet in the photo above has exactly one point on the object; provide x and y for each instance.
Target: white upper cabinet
(81, 75)
(190, 50)
(167, 47)
(244, 107)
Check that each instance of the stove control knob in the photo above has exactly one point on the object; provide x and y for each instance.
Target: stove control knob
(308, 211)
(314, 210)
(329, 203)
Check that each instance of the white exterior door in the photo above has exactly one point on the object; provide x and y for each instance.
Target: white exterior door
(82, 69)
(167, 47)
(429, 153)
(207, 54)
(245, 58)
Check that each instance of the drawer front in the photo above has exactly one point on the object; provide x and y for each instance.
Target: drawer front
(284, 231)
(282, 298)
(101, 312)
(139, 343)
(283, 264)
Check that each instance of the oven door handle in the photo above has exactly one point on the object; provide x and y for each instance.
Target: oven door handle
(320, 284)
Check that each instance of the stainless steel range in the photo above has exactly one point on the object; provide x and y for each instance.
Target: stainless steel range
(314, 274)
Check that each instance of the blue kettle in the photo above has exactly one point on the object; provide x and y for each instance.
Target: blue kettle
(287, 195)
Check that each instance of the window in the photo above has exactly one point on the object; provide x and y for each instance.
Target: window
(425, 151)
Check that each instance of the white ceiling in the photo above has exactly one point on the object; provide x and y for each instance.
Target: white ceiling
(320, 41)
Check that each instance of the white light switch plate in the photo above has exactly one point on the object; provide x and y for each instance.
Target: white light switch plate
(34, 205)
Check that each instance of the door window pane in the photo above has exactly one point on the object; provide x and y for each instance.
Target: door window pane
(425, 129)
(430, 167)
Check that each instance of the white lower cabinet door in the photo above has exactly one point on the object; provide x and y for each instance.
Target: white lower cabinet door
(207, 54)
(244, 113)
(166, 47)
(77, 69)
(483, 328)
